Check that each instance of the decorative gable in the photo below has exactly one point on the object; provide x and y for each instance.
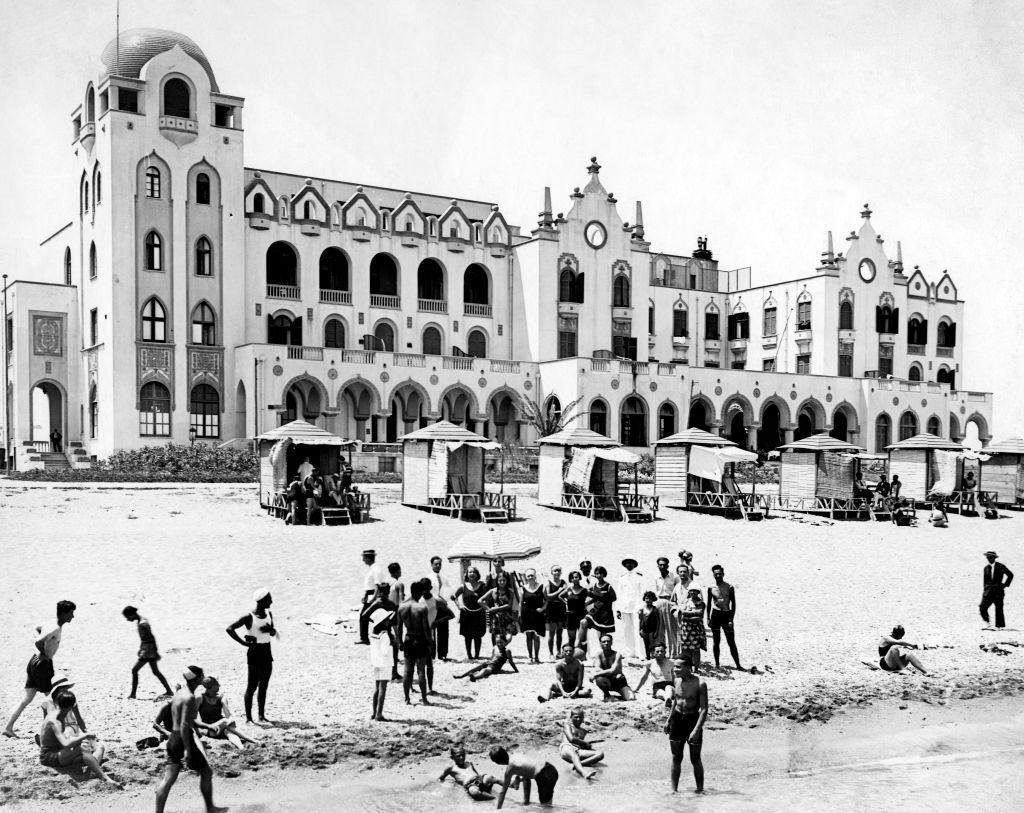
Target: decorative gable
(495, 228)
(408, 217)
(454, 223)
(259, 186)
(946, 291)
(917, 286)
(358, 212)
(317, 209)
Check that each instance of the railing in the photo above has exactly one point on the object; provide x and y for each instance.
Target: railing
(385, 301)
(333, 297)
(977, 396)
(306, 353)
(357, 356)
(41, 446)
(503, 366)
(884, 384)
(803, 325)
(409, 360)
(910, 386)
(431, 305)
(458, 362)
(474, 309)
(283, 291)
(634, 367)
(915, 349)
(178, 123)
(666, 369)
(946, 352)
(681, 338)
(935, 388)
(599, 365)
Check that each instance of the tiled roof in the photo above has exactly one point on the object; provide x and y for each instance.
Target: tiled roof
(139, 45)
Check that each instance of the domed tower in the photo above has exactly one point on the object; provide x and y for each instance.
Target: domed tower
(161, 243)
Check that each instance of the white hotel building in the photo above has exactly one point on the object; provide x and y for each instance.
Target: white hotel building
(191, 292)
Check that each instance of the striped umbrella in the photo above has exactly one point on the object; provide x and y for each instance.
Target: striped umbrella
(489, 543)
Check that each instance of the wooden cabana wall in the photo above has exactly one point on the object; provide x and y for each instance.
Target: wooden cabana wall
(914, 462)
(1003, 473)
(798, 478)
(672, 478)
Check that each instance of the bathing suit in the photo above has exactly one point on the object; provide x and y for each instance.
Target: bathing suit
(176, 753)
(680, 726)
(546, 778)
(211, 712)
(147, 643)
(883, 651)
(40, 673)
(49, 748)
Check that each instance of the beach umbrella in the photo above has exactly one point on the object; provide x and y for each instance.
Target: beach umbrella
(488, 544)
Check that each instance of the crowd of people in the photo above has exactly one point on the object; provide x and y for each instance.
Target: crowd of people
(309, 492)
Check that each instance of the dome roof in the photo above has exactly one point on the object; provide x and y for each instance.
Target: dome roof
(139, 45)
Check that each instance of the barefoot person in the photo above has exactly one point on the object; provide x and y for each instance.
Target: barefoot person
(40, 666)
(568, 677)
(499, 658)
(182, 749)
(260, 631)
(608, 677)
(381, 648)
(685, 724)
(147, 651)
(215, 720)
(721, 606)
(477, 785)
(58, 749)
(526, 770)
(660, 669)
(892, 657)
(413, 616)
(576, 748)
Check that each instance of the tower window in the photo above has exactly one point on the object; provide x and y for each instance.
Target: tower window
(154, 321)
(152, 182)
(177, 99)
(223, 115)
(154, 252)
(204, 258)
(128, 100)
(258, 203)
(202, 188)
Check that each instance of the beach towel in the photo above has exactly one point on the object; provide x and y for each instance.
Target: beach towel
(580, 467)
(944, 469)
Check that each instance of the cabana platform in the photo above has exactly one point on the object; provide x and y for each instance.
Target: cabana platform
(816, 477)
(283, 449)
(1003, 472)
(929, 465)
(697, 470)
(579, 472)
(443, 472)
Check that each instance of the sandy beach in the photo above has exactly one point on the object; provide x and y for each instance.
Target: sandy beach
(812, 600)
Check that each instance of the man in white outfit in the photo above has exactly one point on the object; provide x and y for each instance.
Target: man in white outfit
(630, 592)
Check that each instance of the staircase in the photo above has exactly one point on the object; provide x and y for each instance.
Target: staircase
(54, 461)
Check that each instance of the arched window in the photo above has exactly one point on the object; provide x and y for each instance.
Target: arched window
(334, 333)
(85, 197)
(152, 182)
(282, 329)
(883, 432)
(476, 344)
(477, 232)
(204, 325)
(307, 210)
(154, 410)
(430, 281)
(620, 292)
(204, 409)
(917, 331)
(475, 286)
(283, 206)
(385, 220)
(90, 105)
(599, 417)
(432, 341)
(333, 270)
(154, 321)
(666, 421)
(97, 189)
(914, 374)
(154, 252)
(633, 422)
(945, 334)
(92, 261)
(385, 335)
(94, 412)
(680, 323)
(846, 316)
(383, 276)
(282, 264)
(202, 188)
(204, 257)
(67, 266)
(177, 99)
(934, 426)
(565, 285)
(908, 425)
(258, 203)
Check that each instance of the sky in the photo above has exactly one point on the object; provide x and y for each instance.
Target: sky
(761, 125)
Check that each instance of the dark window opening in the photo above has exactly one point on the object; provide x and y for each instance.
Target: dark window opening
(620, 292)
(567, 337)
(258, 203)
(152, 182)
(476, 286)
(204, 258)
(599, 418)
(430, 280)
(223, 115)
(385, 337)
(333, 270)
(202, 188)
(739, 326)
(94, 328)
(128, 100)
(383, 276)
(155, 410)
(476, 344)
(846, 316)
(633, 423)
(284, 330)
(334, 333)
(711, 331)
(154, 252)
(803, 364)
(177, 99)
(432, 342)
(282, 265)
(680, 326)
(204, 409)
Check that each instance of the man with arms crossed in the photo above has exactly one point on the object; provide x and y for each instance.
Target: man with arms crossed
(685, 725)
(721, 612)
(413, 615)
(568, 677)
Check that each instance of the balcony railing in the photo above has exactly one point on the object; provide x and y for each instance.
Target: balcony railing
(459, 362)
(599, 365)
(947, 352)
(503, 366)
(431, 305)
(915, 349)
(306, 353)
(473, 309)
(910, 386)
(977, 396)
(666, 369)
(283, 291)
(409, 360)
(178, 123)
(357, 356)
(634, 367)
(333, 297)
(385, 301)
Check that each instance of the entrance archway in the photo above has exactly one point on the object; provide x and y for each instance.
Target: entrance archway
(737, 430)
(770, 434)
(840, 427)
(699, 416)
(48, 413)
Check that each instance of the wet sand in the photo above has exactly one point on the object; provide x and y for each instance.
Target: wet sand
(812, 600)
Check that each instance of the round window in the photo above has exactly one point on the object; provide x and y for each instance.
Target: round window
(595, 234)
(867, 270)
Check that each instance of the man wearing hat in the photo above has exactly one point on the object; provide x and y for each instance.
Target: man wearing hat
(259, 632)
(375, 574)
(996, 578)
(630, 592)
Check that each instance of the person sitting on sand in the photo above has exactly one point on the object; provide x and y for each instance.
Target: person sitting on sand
(938, 517)
(58, 750)
(214, 718)
(576, 748)
(147, 651)
(660, 669)
(525, 769)
(477, 785)
(892, 657)
(608, 677)
(499, 658)
(903, 513)
(569, 671)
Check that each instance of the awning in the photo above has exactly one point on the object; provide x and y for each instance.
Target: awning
(710, 462)
(452, 445)
(303, 433)
(618, 455)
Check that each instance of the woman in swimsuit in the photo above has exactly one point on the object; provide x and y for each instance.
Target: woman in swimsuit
(575, 607)
(892, 658)
(501, 616)
(472, 616)
(58, 750)
(692, 637)
(531, 614)
(554, 610)
(576, 749)
(214, 717)
(649, 620)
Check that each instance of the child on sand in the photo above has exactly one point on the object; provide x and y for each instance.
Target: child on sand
(521, 769)
(477, 786)
(147, 651)
(499, 658)
(214, 718)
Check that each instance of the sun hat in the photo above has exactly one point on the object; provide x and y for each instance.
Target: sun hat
(993, 554)
(60, 684)
(369, 552)
(260, 594)
(629, 562)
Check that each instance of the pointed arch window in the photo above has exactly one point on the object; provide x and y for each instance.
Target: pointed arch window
(154, 321)
(203, 188)
(154, 252)
(934, 426)
(204, 257)
(85, 197)
(92, 261)
(97, 189)
(846, 316)
(94, 412)
(153, 182)
(204, 411)
(204, 325)
(154, 410)
(620, 292)
(883, 432)
(67, 266)
(908, 425)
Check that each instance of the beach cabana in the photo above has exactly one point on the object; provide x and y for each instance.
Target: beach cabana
(816, 476)
(1003, 472)
(443, 472)
(924, 462)
(578, 471)
(282, 451)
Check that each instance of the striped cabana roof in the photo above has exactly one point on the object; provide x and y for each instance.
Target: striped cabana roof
(304, 433)
(926, 440)
(446, 431)
(694, 437)
(821, 442)
(578, 436)
(1009, 446)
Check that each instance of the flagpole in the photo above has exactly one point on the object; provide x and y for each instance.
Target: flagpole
(117, 38)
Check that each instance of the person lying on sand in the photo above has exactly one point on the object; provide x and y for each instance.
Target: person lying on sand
(499, 658)
(892, 657)
(569, 671)
(660, 669)
(576, 748)
(214, 718)
(524, 769)
(478, 786)
(58, 749)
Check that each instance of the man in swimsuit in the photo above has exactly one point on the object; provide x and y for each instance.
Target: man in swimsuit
(478, 786)
(499, 658)
(892, 658)
(523, 768)
(40, 666)
(568, 677)
(260, 631)
(721, 612)
(147, 651)
(182, 750)
(416, 645)
(660, 668)
(685, 725)
(608, 677)
(576, 748)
